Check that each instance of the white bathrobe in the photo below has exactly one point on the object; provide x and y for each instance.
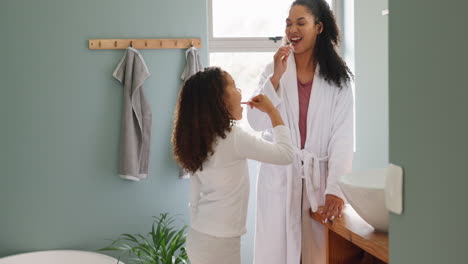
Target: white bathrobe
(327, 154)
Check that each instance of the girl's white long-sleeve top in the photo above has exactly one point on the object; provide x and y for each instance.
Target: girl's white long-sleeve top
(220, 192)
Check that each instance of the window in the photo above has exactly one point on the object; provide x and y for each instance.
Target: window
(239, 38)
(244, 18)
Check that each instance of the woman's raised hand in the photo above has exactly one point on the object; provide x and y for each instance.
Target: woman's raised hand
(280, 64)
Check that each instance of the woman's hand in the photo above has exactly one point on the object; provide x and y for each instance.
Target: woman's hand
(333, 207)
(281, 62)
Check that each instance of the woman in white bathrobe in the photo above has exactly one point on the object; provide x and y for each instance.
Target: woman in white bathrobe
(322, 134)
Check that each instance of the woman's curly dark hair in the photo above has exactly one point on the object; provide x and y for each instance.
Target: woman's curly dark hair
(200, 117)
(332, 67)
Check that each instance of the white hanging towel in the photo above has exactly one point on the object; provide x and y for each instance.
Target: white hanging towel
(192, 66)
(136, 117)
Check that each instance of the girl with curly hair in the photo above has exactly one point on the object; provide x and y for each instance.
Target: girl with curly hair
(214, 150)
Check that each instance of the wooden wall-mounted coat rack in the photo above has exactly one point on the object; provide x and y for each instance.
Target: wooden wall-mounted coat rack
(143, 43)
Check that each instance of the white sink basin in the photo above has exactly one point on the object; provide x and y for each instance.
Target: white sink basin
(365, 191)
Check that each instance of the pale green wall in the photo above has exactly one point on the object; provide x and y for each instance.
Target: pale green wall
(371, 83)
(60, 119)
(429, 128)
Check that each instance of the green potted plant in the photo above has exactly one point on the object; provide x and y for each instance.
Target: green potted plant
(163, 245)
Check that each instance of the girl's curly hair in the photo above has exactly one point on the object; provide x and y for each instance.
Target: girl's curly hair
(200, 117)
(332, 67)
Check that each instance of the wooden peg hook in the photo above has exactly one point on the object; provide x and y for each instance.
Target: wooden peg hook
(143, 43)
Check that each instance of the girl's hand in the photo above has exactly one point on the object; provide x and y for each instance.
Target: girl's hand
(262, 103)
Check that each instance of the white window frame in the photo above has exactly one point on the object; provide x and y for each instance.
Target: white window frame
(254, 44)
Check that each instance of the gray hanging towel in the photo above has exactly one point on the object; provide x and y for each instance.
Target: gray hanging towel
(192, 66)
(136, 117)
(193, 63)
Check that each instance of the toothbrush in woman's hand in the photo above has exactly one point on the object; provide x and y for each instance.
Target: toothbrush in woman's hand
(291, 49)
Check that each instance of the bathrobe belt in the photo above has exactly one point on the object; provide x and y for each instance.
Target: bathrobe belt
(309, 169)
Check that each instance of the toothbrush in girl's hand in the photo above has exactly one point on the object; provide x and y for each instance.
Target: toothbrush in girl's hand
(247, 103)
